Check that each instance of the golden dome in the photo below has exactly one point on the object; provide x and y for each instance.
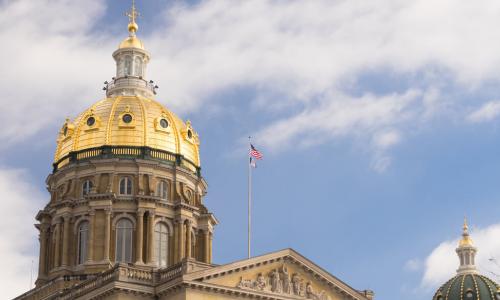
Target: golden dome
(133, 121)
(131, 42)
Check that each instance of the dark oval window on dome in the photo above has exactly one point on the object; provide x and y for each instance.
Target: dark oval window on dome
(190, 134)
(90, 121)
(469, 294)
(164, 123)
(65, 130)
(127, 118)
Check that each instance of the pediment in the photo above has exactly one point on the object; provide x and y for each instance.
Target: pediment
(279, 275)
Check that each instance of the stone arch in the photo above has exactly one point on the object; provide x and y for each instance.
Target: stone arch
(123, 215)
(167, 222)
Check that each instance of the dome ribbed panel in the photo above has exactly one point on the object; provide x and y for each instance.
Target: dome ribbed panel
(144, 130)
(456, 288)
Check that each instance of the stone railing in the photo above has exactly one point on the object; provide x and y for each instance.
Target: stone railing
(75, 286)
(120, 272)
(126, 152)
(129, 82)
(167, 274)
(54, 286)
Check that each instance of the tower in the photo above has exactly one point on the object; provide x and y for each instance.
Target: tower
(126, 185)
(468, 284)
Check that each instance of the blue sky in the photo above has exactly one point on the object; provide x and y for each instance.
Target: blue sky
(378, 122)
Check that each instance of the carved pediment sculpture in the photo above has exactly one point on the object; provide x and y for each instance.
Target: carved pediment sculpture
(281, 282)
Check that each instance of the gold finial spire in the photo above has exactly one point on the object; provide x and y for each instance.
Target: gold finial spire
(132, 15)
(466, 240)
(465, 227)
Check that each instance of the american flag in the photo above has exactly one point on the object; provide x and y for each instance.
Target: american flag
(255, 153)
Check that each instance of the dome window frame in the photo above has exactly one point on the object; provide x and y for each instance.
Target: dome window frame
(469, 294)
(90, 121)
(96, 123)
(158, 123)
(67, 130)
(189, 134)
(164, 123)
(121, 119)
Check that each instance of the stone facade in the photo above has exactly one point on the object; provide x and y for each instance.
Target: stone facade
(190, 225)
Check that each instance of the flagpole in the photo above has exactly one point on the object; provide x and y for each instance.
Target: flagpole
(249, 199)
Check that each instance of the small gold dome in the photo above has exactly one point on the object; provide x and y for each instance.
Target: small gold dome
(128, 121)
(131, 42)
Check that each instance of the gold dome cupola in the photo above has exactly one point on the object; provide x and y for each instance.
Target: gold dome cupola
(466, 252)
(131, 61)
(129, 122)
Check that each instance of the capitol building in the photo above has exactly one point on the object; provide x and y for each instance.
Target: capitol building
(126, 217)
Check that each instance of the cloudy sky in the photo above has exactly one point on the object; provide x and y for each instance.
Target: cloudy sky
(379, 122)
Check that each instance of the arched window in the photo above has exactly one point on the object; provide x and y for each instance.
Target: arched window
(83, 231)
(87, 187)
(162, 189)
(126, 186)
(124, 241)
(138, 67)
(161, 244)
(120, 67)
(128, 65)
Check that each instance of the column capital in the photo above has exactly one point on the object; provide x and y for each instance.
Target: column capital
(141, 211)
(92, 212)
(67, 217)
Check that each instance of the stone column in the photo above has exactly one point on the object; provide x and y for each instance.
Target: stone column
(211, 236)
(206, 246)
(58, 244)
(42, 270)
(90, 244)
(188, 240)
(107, 234)
(176, 242)
(65, 245)
(151, 237)
(182, 240)
(139, 237)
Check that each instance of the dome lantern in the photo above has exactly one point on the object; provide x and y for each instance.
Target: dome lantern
(131, 61)
(466, 252)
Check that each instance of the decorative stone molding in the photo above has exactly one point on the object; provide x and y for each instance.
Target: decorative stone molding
(281, 282)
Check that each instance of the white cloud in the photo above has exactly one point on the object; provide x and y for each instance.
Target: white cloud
(413, 264)
(56, 65)
(52, 64)
(487, 112)
(18, 237)
(442, 262)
